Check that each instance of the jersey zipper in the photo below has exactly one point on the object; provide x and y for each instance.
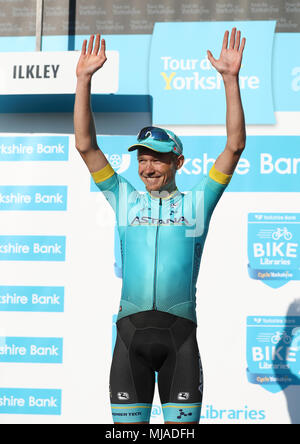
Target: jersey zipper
(156, 253)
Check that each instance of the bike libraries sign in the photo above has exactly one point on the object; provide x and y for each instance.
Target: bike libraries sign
(273, 247)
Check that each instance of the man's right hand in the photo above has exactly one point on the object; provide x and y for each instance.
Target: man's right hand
(91, 59)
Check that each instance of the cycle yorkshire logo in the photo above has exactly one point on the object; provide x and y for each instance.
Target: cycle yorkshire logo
(273, 248)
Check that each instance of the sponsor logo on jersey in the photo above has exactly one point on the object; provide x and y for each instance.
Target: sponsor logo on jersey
(146, 220)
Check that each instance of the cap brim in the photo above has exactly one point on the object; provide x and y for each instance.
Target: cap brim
(161, 149)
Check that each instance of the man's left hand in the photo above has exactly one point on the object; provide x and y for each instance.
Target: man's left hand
(229, 63)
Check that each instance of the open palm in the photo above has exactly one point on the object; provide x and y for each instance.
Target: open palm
(91, 58)
(231, 55)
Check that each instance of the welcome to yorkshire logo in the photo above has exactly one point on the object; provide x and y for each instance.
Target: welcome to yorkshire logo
(189, 74)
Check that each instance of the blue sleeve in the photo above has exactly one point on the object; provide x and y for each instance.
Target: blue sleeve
(116, 189)
(210, 190)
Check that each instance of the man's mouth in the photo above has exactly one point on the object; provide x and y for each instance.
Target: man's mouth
(152, 178)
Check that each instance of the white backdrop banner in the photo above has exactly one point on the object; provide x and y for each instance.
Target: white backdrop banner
(60, 283)
(53, 73)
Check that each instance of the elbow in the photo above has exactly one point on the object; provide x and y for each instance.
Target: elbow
(237, 147)
(84, 146)
(82, 149)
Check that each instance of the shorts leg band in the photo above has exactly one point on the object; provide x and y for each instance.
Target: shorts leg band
(127, 413)
(182, 412)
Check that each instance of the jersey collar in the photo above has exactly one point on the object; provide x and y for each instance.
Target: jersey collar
(173, 195)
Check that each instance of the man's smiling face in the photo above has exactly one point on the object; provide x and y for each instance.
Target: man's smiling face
(158, 170)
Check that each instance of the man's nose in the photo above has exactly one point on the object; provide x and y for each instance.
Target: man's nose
(149, 169)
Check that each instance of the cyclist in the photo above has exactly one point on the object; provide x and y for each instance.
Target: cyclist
(162, 234)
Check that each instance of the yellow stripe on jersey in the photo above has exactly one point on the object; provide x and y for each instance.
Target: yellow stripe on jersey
(219, 177)
(105, 173)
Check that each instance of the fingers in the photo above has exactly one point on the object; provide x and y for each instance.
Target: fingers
(235, 41)
(91, 44)
(103, 46)
(83, 49)
(97, 44)
(94, 49)
(242, 45)
(211, 58)
(232, 38)
(225, 40)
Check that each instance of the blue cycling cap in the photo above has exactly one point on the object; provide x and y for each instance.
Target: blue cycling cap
(159, 140)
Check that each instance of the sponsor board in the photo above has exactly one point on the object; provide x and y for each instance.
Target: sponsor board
(273, 351)
(34, 148)
(33, 248)
(186, 89)
(31, 350)
(268, 164)
(33, 198)
(16, 401)
(273, 248)
(53, 73)
(32, 299)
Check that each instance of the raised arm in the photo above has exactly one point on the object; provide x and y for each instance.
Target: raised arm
(228, 66)
(91, 60)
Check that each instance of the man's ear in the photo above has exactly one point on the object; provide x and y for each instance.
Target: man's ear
(179, 161)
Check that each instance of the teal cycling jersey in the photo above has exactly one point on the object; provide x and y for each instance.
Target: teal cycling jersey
(162, 240)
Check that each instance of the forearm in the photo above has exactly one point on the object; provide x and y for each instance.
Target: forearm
(235, 119)
(85, 132)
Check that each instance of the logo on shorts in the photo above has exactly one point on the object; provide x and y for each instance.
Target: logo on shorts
(183, 396)
(123, 396)
(182, 413)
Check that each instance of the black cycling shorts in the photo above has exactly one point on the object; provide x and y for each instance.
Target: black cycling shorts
(150, 342)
